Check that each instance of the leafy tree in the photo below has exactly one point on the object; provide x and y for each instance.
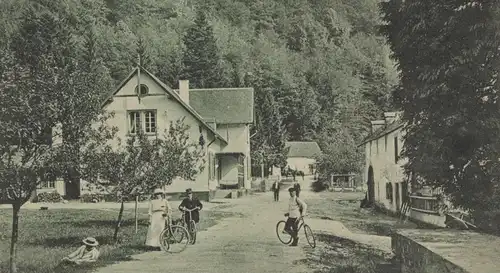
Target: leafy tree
(449, 60)
(201, 59)
(270, 139)
(143, 164)
(41, 98)
(143, 53)
(339, 155)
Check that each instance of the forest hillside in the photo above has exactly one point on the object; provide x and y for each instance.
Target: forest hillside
(320, 69)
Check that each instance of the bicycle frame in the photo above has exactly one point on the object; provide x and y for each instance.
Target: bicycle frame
(300, 223)
(190, 214)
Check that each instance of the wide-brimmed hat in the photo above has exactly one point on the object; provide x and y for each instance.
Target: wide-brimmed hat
(158, 191)
(90, 241)
(188, 191)
(292, 189)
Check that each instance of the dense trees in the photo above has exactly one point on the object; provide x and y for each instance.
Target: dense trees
(49, 88)
(449, 61)
(323, 61)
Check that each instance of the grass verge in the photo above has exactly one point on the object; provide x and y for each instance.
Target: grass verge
(47, 236)
(344, 207)
(338, 255)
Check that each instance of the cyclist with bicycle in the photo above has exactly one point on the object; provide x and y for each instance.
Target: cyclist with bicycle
(296, 209)
(190, 203)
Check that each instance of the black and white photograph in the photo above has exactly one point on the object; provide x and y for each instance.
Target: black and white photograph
(259, 136)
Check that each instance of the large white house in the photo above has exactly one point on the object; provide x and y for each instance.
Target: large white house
(302, 156)
(384, 174)
(222, 116)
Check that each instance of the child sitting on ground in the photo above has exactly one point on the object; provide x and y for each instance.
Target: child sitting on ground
(87, 253)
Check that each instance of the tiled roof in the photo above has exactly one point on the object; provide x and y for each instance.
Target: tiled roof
(382, 131)
(225, 105)
(303, 149)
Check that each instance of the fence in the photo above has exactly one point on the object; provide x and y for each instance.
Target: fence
(425, 204)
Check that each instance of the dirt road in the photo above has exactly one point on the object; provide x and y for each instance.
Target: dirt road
(246, 244)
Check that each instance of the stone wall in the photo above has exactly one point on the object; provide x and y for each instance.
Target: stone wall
(415, 258)
(446, 251)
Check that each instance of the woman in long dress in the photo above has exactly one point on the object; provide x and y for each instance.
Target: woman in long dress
(159, 210)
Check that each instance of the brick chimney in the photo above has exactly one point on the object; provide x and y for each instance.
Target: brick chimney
(377, 124)
(389, 117)
(184, 90)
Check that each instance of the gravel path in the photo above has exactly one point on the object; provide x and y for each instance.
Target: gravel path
(247, 244)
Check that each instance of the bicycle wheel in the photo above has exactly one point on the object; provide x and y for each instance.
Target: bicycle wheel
(165, 240)
(283, 236)
(192, 232)
(310, 236)
(177, 237)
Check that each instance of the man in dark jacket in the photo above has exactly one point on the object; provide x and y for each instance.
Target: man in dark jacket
(190, 203)
(276, 190)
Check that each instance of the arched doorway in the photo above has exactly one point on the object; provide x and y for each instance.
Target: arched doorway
(371, 185)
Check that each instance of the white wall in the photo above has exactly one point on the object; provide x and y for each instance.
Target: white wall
(436, 220)
(385, 169)
(58, 187)
(301, 164)
(238, 137)
(167, 110)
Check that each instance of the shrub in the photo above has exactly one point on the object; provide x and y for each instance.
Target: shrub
(91, 197)
(48, 197)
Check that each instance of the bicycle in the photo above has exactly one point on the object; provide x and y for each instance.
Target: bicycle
(191, 226)
(174, 235)
(285, 237)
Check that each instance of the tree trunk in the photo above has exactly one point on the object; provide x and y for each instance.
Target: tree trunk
(15, 235)
(135, 214)
(119, 222)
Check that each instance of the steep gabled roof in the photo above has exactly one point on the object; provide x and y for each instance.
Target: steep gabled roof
(225, 105)
(169, 91)
(308, 149)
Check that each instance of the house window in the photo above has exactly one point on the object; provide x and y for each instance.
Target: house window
(48, 185)
(396, 150)
(150, 117)
(385, 140)
(142, 120)
(144, 89)
(388, 191)
(134, 122)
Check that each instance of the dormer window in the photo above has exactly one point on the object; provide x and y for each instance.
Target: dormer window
(144, 89)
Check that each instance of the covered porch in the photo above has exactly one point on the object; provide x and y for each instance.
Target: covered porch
(231, 170)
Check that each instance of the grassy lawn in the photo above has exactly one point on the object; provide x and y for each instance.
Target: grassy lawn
(344, 207)
(47, 236)
(337, 255)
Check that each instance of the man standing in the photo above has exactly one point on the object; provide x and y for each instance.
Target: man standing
(276, 190)
(296, 209)
(190, 203)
